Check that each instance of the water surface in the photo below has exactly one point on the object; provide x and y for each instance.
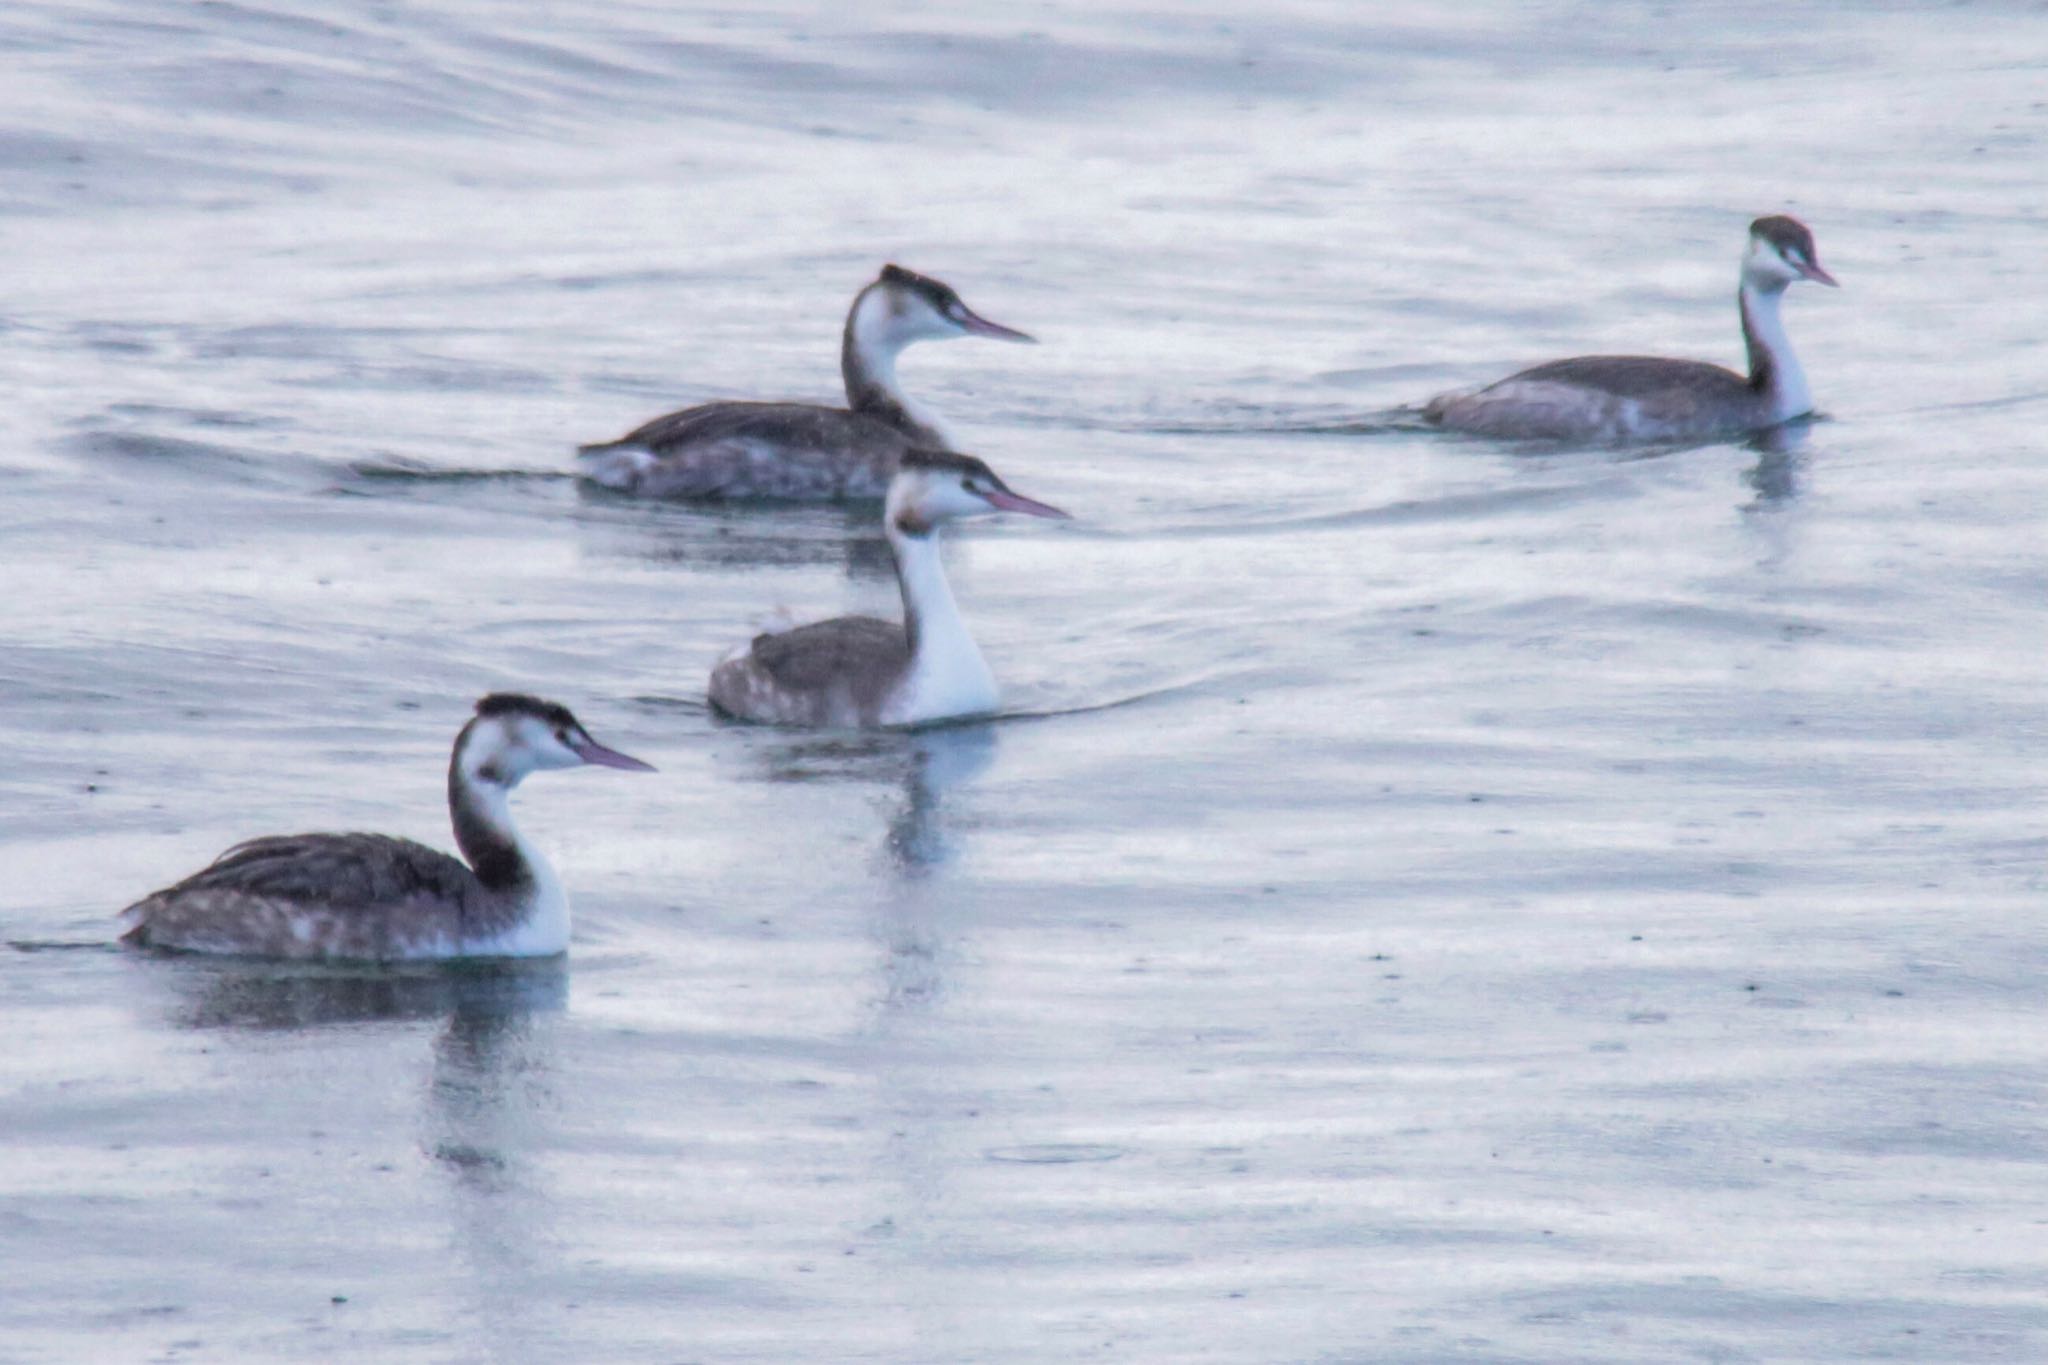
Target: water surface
(1425, 900)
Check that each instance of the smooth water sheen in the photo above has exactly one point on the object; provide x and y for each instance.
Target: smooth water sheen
(1425, 900)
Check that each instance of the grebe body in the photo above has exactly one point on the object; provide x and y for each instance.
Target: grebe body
(1627, 399)
(859, 671)
(378, 898)
(805, 451)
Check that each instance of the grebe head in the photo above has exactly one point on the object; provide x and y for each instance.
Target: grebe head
(1781, 251)
(902, 306)
(936, 486)
(514, 734)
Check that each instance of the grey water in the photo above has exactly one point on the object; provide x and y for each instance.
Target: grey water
(1425, 900)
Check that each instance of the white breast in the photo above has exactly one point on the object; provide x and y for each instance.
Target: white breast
(947, 675)
(950, 678)
(543, 929)
(542, 932)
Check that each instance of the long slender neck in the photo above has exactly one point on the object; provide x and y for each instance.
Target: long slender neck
(1775, 374)
(479, 805)
(867, 362)
(931, 618)
(946, 675)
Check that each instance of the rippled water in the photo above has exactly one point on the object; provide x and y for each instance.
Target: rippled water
(1427, 901)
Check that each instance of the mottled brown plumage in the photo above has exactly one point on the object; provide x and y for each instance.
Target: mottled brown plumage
(798, 451)
(368, 896)
(1617, 399)
(803, 451)
(379, 898)
(859, 671)
(835, 673)
(1607, 398)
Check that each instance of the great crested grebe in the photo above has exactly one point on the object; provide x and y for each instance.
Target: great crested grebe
(373, 897)
(860, 671)
(804, 450)
(1623, 398)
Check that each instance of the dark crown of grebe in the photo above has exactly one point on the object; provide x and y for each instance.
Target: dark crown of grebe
(934, 486)
(908, 288)
(523, 704)
(1792, 243)
(514, 734)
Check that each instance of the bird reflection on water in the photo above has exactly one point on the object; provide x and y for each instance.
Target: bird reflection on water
(1776, 474)
(925, 764)
(256, 995)
(486, 1041)
(938, 760)
(920, 836)
(713, 535)
(1775, 477)
(488, 1103)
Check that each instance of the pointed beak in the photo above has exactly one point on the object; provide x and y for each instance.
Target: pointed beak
(1003, 500)
(1812, 271)
(590, 751)
(974, 324)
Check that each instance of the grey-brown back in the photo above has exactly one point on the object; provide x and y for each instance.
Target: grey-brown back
(837, 672)
(1642, 376)
(760, 450)
(321, 895)
(1607, 398)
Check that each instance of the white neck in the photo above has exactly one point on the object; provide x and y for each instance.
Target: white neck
(875, 337)
(1763, 327)
(483, 819)
(947, 675)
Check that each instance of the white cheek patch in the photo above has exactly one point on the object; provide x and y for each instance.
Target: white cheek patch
(1793, 261)
(922, 321)
(874, 320)
(883, 325)
(1766, 261)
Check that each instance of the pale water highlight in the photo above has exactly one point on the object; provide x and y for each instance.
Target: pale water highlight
(1425, 900)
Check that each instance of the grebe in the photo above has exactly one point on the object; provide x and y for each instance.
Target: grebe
(370, 896)
(859, 671)
(1616, 398)
(803, 450)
